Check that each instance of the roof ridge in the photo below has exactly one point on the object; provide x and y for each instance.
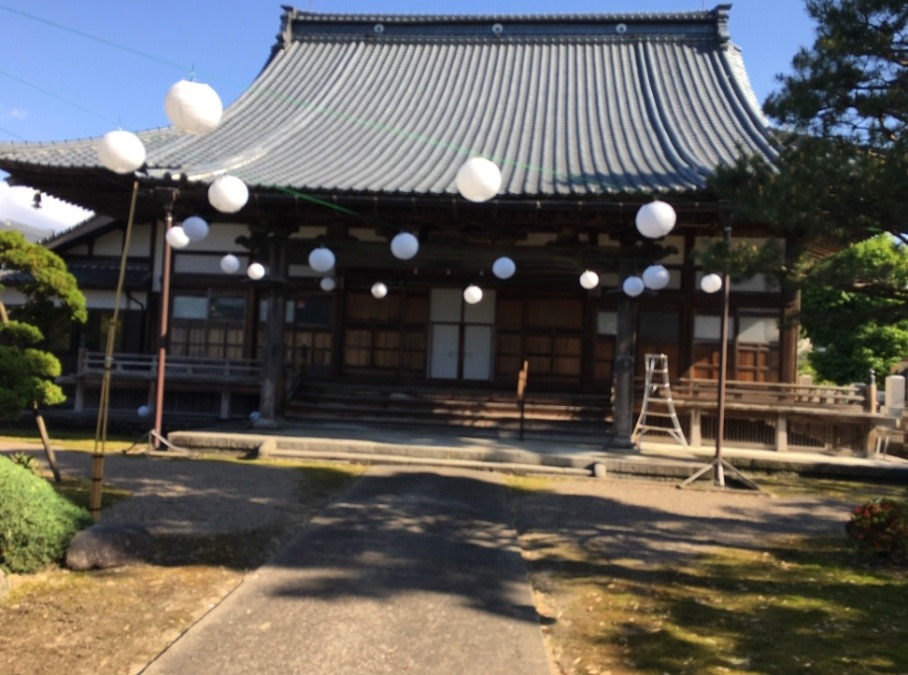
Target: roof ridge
(300, 25)
(506, 39)
(347, 17)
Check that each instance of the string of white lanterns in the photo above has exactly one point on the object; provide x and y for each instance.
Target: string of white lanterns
(589, 280)
(230, 264)
(711, 283)
(633, 286)
(404, 246)
(504, 267)
(472, 294)
(656, 277)
(121, 151)
(654, 221)
(193, 107)
(321, 259)
(176, 236)
(228, 194)
(478, 179)
(196, 228)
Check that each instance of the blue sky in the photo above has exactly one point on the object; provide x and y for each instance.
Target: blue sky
(74, 69)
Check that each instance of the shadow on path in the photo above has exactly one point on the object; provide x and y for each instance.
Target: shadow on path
(407, 571)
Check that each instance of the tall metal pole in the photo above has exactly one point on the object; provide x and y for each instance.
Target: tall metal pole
(719, 465)
(163, 333)
(719, 474)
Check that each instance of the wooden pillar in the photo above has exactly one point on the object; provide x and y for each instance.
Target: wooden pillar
(696, 427)
(588, 340)
(782, 432)
(339, 328)
(789, 337)
(625, 346)
(271, 391)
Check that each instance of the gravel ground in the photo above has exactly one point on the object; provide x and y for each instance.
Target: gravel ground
(651, 521)
(183, 496)
(619, 528)
(655, 523)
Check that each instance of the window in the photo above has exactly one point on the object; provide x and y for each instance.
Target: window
(753, 342)
(307, 334)
(208, 326)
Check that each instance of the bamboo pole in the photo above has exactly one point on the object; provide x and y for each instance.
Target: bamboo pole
(100, 446)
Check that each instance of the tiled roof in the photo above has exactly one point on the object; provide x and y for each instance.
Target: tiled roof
(92, 274)
(30, 232)
(573, 106)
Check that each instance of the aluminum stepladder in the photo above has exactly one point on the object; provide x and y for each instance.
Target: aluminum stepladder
(657, 402)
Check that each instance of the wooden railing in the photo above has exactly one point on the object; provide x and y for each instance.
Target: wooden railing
(780, 416)
(196, 386)
(765, 395)
(144, 366)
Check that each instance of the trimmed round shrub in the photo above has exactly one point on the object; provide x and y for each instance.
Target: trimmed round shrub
(36, 523)
(881, 527)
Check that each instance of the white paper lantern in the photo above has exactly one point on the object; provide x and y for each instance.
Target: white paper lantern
(472, 294)
(711, 283)
(193, 107)
(379, 290)
(478, 179)
(121, 151)
(228, 194)
(143, 411)
(230, 264)
(633, 286)
(327, 284)
(321, 259)
(656, 277)
(255, 271)
(176, 237)
(504, 268)
(656, 219)
(195, 228)
(404, 246)
(589, 280)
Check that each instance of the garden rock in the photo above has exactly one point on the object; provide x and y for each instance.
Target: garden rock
(106, 545)
(4, 586)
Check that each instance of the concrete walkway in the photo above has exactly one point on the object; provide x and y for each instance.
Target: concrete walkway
(409, 571)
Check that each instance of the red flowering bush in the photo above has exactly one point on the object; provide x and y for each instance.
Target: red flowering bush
(881, 527)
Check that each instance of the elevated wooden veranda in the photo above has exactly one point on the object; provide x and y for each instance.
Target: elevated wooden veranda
(771, 416)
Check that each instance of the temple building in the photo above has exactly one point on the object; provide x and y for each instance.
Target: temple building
(354, 132)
